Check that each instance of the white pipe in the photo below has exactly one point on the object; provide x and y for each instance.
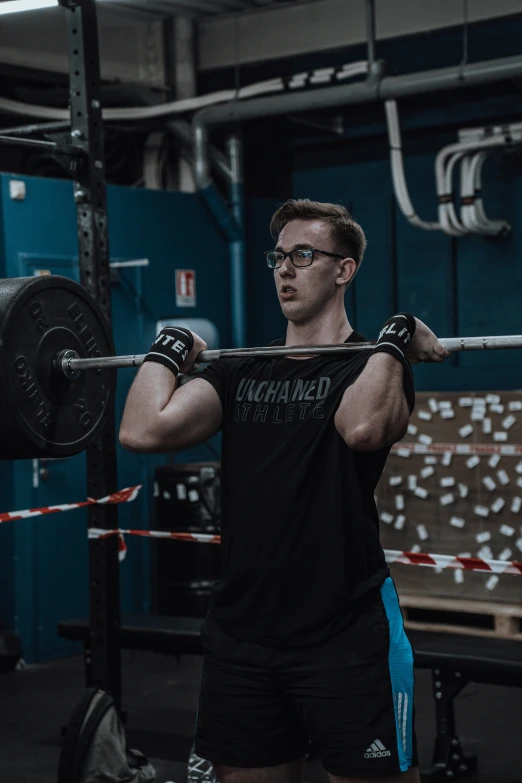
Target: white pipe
(474, 212)
(449, 155)
(397, 168)
(174, 107)
(449, 221)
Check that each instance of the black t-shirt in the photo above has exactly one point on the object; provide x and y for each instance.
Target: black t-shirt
(299, 525)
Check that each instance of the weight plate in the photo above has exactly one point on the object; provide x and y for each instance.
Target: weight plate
(43, 413)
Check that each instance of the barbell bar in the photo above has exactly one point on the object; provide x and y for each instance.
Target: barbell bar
(70, 364)
(52, 331)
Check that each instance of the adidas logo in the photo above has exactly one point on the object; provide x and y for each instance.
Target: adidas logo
(376, 751)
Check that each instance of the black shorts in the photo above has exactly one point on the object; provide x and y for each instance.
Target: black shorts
(351, 697)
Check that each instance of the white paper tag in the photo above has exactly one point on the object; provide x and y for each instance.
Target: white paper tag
(516, 504)
(493, 399)
(427, 472)
(433, 405)
(473, 461)
(166, 495)
(426, 440)
(503, 477)
(489, 483)
(496, 408)
(447, 413)
(457, 522)
(424, 415)
(399, 522)
(478, 414)
(487, 426)
(519, 481)
(412, 482)
(498, 505)
(399, 502)
(481, 538)
(494, 460)
(505, 554)
(518, 544)
(394, 481)
(464, 554)
(420, 492)
(433, 461)
(492, 582)
(485, 553)
(446, 459)
(386, 518)
(515, 405)
(465, 402)
(463, 491)
(518, 467)
(181, 491)
(481, 511)
(508, 422)
(458, 573)
(445, 405)
(500, 437)
(507, 530)
(447, 481)
(465, 431)
(156, 489)
(415, 548)
(412, 429)
(446, 500)
(422, 532)
(193, 496)
(403, 453)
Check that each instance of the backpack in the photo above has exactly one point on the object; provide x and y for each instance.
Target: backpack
(95, 747)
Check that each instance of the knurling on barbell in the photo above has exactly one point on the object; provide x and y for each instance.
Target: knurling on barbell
(58, 378)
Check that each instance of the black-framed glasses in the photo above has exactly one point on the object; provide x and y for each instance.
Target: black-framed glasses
(303, 256)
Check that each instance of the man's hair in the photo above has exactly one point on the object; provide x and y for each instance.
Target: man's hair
(346, 233)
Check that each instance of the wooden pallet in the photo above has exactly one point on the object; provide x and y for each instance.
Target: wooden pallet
(456, 615)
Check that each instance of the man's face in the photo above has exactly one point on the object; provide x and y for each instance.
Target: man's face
(304, 292)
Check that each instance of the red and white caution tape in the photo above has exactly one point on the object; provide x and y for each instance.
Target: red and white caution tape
(392, 555)
(450, 561)
(464, 449)
(122, 496)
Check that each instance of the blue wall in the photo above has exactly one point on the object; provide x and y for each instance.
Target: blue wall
(466, 286)
(43, 562)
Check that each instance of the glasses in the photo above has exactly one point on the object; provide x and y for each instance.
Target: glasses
(300, 257)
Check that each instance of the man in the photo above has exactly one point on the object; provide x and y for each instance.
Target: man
(304, 640)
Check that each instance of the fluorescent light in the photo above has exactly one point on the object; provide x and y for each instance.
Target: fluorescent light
(15, 6)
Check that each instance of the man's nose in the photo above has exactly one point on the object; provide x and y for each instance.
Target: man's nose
(286, 267)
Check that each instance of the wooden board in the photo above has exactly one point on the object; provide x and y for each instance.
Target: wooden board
(443, 537)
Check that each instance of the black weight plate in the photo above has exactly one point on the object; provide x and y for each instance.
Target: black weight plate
(42, 414)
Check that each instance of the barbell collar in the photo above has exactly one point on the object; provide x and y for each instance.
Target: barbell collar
(69, 362)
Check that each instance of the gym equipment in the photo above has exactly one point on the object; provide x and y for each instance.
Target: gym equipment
(44, 413)
(52, 332)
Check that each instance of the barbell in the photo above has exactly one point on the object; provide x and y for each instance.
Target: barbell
(52, 333)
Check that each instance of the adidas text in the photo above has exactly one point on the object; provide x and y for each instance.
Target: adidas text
(376, 751)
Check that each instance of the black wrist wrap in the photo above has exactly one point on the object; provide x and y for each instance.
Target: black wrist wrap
(395, 335)
(171, 347)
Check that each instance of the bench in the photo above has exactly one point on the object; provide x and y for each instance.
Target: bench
(454, 660)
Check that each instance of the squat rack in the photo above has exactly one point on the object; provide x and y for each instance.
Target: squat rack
(80, 152)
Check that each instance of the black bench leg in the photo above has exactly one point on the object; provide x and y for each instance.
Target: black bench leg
(448, 761)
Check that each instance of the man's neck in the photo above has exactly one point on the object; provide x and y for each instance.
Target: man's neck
(320, 331)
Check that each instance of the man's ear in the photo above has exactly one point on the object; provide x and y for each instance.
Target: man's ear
(347, 270)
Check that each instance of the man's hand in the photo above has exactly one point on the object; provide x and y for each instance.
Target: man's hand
(190, 362)
(424, 346)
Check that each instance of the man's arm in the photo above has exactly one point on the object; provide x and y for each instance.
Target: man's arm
(373, 412)
(160, 416)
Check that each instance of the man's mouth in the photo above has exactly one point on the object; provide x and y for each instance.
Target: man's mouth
(287, 291)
